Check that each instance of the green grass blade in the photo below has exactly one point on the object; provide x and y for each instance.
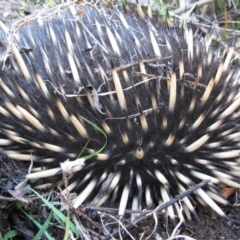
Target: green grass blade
(43, 228)
(10, 234)
(57, 212)
(37, 224)
(102, 132)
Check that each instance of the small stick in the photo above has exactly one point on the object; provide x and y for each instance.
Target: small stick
(148, 215)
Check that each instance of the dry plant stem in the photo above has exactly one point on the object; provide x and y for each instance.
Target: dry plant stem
(9, 199)
(84, 216)
(144, 217)
(199, 3)
(177, 228)
(81, 229)
(121, 227)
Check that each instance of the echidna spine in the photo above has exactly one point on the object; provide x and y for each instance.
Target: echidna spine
(135, 113)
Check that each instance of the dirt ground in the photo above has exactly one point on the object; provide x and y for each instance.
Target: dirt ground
(209, 226)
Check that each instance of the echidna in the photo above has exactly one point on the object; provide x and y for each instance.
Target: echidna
(137, 112)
